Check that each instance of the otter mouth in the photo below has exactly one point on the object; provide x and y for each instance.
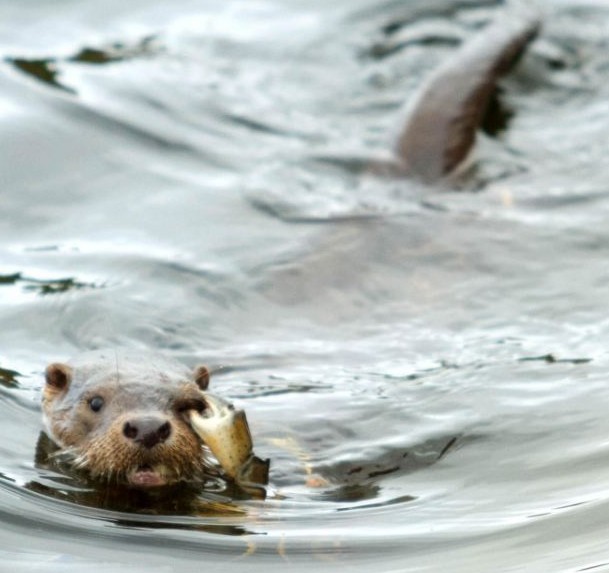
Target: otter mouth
(148, 476)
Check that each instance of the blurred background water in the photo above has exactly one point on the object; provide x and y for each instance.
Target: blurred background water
(191, 177)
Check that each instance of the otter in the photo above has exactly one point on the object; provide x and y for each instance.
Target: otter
(124, 417)
(128, 418)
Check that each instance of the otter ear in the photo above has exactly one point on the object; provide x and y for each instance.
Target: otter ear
(58, 376)
(201, 377)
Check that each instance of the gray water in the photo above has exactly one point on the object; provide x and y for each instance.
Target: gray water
(192, 177)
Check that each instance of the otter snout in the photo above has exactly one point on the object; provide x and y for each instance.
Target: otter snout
(147, 431)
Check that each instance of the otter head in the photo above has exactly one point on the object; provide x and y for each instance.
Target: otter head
(126, 426)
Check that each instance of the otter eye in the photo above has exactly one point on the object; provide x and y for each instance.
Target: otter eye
(96, 403)
(193, 404)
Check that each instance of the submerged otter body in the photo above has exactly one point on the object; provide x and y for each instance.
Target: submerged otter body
(124, 417)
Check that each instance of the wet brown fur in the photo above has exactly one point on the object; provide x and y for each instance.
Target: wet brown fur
(440, 129)
(109, 457)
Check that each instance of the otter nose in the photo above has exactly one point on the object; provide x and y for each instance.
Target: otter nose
(147, 430)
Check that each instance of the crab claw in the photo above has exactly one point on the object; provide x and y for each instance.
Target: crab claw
(226, 432)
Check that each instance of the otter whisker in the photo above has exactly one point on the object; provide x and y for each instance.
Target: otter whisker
(66, 455)
(80, 462)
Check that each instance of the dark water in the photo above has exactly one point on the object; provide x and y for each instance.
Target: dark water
(191, 177)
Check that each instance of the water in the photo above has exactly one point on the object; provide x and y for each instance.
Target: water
(192, 177)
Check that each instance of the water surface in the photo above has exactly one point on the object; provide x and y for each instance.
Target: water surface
(194, 177)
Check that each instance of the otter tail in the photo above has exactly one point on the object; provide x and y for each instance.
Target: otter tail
(441, 126)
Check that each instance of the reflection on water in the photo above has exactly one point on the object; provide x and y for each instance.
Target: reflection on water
(426, 369)
(9, 378)
(41, 286)
(47, 70)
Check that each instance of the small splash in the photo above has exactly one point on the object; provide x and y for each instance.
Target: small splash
(333, 188)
